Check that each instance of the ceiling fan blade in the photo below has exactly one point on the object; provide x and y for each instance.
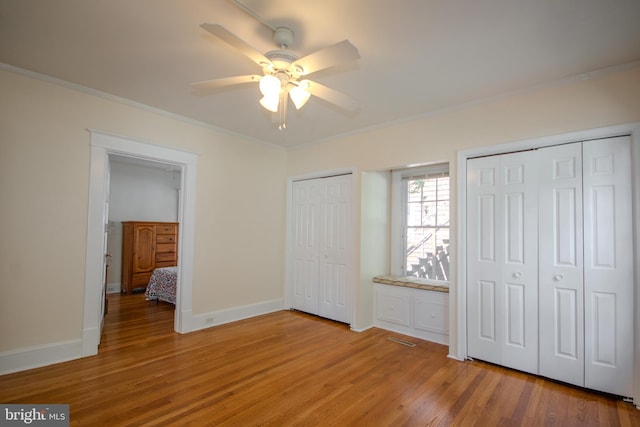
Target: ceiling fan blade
(327, 57)
(333, 96)
(231, 39)
(225, 81)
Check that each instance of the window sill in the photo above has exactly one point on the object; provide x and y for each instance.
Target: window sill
(409, 282)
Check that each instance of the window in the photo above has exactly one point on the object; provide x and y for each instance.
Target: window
(421, 219)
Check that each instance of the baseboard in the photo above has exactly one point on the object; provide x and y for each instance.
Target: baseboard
(220, 317)
(438, 338)
(38, 356)
(90, 341)
(454, 357)
(113, 288)
(361, 329)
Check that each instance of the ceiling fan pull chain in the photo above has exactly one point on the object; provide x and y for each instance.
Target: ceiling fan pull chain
(283, 111)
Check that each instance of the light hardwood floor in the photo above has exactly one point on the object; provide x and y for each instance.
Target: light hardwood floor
(289, 368)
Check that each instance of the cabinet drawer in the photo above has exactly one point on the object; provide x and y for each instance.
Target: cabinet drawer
(160, 264)
(167, 229)
(431, 312)
(394, 307)
(140, 279)
(165, 256)
(165, 238)
(165, 247)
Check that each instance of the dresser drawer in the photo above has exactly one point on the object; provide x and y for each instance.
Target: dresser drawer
(160, 264)
(166, 238)
(167, 229)
(165, 256)
(165, 247)
(140, 279)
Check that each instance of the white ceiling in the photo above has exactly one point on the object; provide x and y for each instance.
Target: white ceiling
(417, 56)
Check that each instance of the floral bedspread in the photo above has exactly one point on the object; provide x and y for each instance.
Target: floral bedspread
(162, 285)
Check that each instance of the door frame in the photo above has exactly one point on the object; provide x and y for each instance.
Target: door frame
(458, 294)
(289, 264)
(104, 144)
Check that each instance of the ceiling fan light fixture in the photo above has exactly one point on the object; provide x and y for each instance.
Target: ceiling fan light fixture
(282, 69)
(270, 86)
(270, 102)
(299, 96)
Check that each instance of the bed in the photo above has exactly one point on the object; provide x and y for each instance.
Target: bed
(162, 285)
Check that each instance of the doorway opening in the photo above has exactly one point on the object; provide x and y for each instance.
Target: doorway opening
(143, 208)
(103, 146)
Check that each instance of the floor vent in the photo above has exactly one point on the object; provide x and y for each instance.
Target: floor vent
(403, 342)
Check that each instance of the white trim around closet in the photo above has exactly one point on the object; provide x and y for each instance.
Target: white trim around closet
(458, 337)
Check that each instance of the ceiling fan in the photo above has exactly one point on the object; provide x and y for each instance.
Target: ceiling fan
(283, 73)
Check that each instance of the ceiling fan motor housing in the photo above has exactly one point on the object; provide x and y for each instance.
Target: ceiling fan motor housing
(283, 37)
(282, 60)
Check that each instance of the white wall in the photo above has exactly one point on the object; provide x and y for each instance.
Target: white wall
(140, 191)
(44, 188)
(375, 215)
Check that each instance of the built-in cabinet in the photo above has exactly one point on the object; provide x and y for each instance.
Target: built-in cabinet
(321, 247)
(145, 247)
(550, 263)
(410, 311)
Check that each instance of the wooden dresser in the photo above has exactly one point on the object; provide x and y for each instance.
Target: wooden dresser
(145, 247)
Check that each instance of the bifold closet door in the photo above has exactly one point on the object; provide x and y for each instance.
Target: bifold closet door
(586, 265)
(550, 263)
(306, 200)
(608, 265)
(502, 260)
(335, 243)
(321, 214)
(560, 263)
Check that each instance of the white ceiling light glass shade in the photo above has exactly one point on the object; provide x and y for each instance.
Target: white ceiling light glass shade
(270, 102)
(299, 94)
(270, 87)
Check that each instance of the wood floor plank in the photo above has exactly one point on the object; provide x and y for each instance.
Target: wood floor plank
(290, 368)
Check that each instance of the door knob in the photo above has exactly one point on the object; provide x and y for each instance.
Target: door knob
(558, 277)
(517, 275)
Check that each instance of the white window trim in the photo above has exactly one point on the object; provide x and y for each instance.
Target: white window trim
(398, 218)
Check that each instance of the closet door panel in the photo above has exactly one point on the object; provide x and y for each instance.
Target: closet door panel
(483, 259)
(334, 254)
(321, 246)
(560, 263)
(503, 260)
(306, 205)
(515, 315)
(608, 266)
(519, 275)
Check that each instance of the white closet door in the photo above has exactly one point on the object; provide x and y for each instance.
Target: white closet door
(502, 260)
(484, 252)
(335, 255)
(561, 263)
(608, 265)
(520, 260)
(305, 217)
(322, 260)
